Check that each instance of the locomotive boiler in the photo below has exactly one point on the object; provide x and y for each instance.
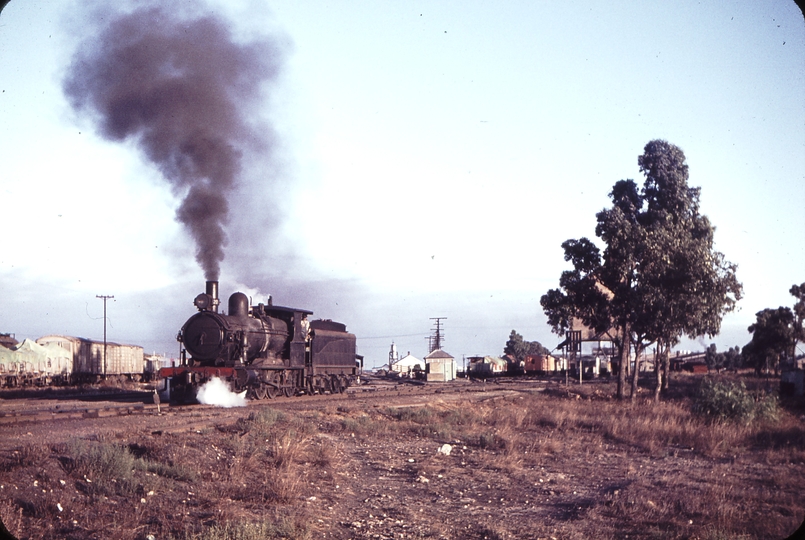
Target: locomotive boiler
(266, 350)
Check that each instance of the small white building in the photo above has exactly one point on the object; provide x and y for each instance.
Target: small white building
(441, 366)
(487, 366)
(408, 364)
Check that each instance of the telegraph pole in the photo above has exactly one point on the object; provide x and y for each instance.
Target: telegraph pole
(435, 341)
(104, 298)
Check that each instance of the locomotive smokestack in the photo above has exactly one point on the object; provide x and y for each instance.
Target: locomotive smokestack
(212, 292)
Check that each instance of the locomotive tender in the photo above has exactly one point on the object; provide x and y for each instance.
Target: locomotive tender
(266, 350)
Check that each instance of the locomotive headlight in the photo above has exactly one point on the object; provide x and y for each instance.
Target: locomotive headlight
(202, 301)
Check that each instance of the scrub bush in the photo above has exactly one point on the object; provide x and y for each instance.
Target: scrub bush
(728, 401)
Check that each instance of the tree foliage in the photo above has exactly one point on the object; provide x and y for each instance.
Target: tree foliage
(731, 359)
(658, 277)
(772, 337)
(775, 334)
(519, 348)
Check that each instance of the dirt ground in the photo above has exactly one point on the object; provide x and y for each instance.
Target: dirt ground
(483, 461)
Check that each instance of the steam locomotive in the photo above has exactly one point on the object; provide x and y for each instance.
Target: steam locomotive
(266, 350)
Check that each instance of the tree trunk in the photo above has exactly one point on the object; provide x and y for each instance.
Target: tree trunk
(661, 370)
(657, 372)
(666, 369)
(635, 373)
(624, 361)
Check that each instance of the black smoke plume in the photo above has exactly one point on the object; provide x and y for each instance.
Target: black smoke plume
(186, 91)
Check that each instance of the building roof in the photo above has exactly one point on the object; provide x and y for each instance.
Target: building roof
(408, 360)
(438, 354)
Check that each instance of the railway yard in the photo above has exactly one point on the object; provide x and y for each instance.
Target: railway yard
(23, 410)
(390, 459)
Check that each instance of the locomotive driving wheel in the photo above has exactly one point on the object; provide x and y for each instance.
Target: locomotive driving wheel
(259, 392)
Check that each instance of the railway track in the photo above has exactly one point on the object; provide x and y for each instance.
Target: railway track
(71, 406)
(24, 421)
(41, 410)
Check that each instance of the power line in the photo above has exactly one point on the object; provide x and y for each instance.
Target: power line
(395, 336)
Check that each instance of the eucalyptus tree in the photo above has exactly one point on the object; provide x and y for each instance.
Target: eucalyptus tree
(600, 290)
(659, 276)
(686, 285)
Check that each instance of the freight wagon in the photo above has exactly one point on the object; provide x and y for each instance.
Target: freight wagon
(94, 360)
(29, 363)
(539, 364)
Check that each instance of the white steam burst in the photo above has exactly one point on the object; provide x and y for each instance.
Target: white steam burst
(256, 296)
(217, 392)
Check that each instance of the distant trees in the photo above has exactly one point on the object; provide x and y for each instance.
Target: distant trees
(772, 336)
(731, 359)
(775, 334)
(658, 277)
(519, 348)
(798, 292)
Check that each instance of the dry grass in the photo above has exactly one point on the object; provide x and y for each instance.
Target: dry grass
(529, 465)
(11, 515)
(533, 424)
(652, 428)
(267, 530)
(174, 488)
(524, 431)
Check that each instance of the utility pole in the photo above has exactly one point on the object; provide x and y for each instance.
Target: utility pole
(574, 344)
(436, 338)
(104, 298)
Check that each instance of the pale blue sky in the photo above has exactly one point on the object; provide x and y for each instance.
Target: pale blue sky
(431, 158)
